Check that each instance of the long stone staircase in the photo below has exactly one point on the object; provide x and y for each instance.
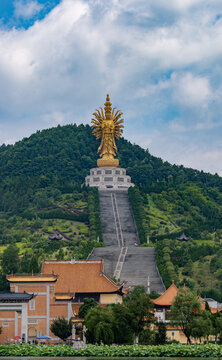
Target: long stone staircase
(123, 258)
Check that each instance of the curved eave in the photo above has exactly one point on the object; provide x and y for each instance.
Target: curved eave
(17, 298)
(119, 291)
(31, 279)
(167, 298)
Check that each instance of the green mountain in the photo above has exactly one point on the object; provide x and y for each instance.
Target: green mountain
(47, 213)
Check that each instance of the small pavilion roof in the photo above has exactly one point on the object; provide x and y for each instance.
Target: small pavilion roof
(183, 237)
(167, 298)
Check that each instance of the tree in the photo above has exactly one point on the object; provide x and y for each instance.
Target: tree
(140, 306)
(201, 326)
(183, 310)
(160, 335)
(217, 324)
(34, 266)
(154, 294)
(10, 260)
(25, 263)
(207, 307)
(4, 284)
(62, 328)
(188, 268)
(99, 323)
(60, 254)
(147, 337)
(88, 303)
(123, 324)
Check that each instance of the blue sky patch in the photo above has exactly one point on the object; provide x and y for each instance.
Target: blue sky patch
(11, 14)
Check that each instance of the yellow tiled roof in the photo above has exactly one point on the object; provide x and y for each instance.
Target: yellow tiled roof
(64, 297)
(82, 276)
(32, 278)
(167, 297)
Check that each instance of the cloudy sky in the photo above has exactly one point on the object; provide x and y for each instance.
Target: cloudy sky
(160, 61)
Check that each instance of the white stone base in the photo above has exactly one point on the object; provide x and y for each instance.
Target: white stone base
(109, 179)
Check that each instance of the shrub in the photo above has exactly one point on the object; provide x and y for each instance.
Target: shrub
(174, 350)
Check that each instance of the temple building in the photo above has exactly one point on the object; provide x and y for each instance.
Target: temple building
(162, 307)
(13, 315)
(58, 291)
(162, 311)
(163, 303)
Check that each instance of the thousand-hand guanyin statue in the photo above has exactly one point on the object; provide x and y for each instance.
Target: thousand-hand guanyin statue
(107, 127)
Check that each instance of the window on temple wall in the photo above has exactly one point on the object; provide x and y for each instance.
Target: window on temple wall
(33, 321)
(5, 324)
(32, 304)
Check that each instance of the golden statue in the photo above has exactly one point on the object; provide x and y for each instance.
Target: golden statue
(108, 128)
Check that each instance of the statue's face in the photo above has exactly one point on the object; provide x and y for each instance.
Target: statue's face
(108, 126)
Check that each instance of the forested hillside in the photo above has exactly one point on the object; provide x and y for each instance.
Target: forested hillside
(46, 212)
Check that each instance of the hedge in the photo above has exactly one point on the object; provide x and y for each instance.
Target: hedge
(175, 350)
(61, 214)
(136, 202)
(95, 227)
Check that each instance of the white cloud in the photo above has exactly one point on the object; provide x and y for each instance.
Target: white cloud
(27, 8)
(208, 160)
(55, 118)
(178, 125)
(191, 90)
(182, 148)
(180, 5)
(160, 61)
(35, 64)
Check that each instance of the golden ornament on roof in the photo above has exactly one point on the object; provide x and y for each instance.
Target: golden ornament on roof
(107, 126)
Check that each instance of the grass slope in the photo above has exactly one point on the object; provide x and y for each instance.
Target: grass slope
(41, 194)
